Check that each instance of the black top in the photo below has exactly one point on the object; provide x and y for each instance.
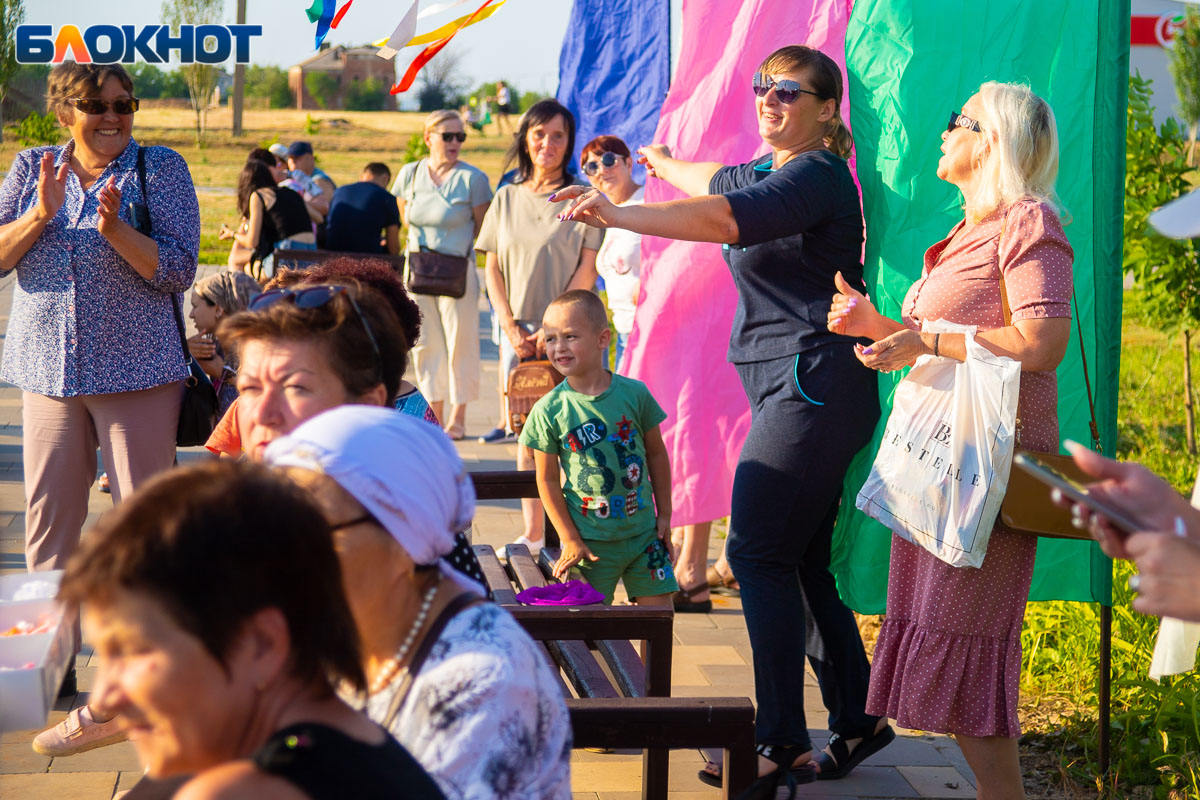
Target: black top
(358, 214)
(326, 764)
(798, 225)
(288, 216)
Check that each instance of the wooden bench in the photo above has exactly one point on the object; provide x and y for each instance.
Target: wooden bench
(615, 700)
(509, 485)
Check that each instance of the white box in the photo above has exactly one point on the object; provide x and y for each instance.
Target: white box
(26, 695)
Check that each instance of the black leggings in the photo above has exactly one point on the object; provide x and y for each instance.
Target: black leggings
(811, 413)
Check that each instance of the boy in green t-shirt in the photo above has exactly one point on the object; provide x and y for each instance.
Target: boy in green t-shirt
(604, 429)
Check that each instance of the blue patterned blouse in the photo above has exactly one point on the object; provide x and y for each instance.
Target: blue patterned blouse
(83, 321)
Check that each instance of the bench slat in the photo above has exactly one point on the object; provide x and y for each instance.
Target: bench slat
(524, 571)
(582, 669)
(625, 665)
(499, 588)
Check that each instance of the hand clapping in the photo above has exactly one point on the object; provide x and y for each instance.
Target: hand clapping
(52, 185)
(110, 207)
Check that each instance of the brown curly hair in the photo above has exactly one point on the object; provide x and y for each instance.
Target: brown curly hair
(70, 79)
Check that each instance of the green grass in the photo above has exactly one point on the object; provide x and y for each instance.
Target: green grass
(1156, 726)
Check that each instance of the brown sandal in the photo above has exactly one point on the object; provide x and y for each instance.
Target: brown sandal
(721, 582)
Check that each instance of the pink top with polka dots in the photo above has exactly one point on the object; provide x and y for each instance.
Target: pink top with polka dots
(948, 658)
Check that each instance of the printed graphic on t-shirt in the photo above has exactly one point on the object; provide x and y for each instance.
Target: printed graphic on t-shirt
(608, 468)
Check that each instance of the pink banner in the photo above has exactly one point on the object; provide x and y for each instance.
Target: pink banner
(685, 310)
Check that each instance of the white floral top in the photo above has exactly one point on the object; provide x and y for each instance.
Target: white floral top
(485, 715)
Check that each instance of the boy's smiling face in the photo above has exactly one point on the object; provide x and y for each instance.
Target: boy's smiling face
(574, 345)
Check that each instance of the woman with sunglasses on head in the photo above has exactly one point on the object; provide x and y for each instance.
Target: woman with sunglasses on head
(608, 165)
(272, 217)
(442, 201)
(92, 341)
(948, 658)
(789, 222)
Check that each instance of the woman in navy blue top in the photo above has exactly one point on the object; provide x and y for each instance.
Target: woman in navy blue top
(92, 341)
(788, 221)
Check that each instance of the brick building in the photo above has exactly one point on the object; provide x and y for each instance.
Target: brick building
(348, 65)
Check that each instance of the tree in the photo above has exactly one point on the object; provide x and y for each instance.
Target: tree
(201, 79)
(271, 83)
(239, 78)
(367, 95)
(12, 13)
(1165, 270)
(323, 87)
(440, 81)
(1184, 62)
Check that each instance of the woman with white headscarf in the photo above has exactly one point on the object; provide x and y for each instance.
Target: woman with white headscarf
(454, 678)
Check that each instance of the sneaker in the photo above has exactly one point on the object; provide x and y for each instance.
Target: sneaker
(534, 545)
(103, 484)
(78, 733)
(498, 436)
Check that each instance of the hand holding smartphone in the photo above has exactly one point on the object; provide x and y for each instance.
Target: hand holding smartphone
(1077, 493)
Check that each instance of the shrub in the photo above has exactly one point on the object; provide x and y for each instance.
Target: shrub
(37, 129)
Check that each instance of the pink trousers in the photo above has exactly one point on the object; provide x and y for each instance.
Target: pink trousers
(135, 432)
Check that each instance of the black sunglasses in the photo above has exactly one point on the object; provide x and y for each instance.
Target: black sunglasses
(450, 136)
(94, 105)
(315, 297)
(962, 121)
(786, 91)
(606, 159)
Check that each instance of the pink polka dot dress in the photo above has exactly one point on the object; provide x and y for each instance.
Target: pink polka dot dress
(948, 657)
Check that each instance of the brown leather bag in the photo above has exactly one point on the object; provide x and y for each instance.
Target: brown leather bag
(434, 273)
(1027, 507)
(528, 382)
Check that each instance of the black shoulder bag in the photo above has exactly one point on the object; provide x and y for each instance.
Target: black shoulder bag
(198, 411)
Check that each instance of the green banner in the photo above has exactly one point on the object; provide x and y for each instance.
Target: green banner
(909, 64)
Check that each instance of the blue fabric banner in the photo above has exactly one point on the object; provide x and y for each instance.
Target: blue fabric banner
(614, 69)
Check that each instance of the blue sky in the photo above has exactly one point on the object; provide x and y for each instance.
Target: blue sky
(520, 42)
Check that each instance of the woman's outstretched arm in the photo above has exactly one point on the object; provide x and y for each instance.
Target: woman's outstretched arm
(694, 219)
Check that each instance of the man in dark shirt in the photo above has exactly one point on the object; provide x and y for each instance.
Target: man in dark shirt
(364, 214)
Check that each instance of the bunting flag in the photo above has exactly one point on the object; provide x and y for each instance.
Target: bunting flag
(686, 303)
(429, 52)
(401, 35)
(614, 69)
(443, 32)
(912, 62)
(321, 12)
(341, 13)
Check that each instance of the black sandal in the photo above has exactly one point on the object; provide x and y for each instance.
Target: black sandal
(684, 604)
(784, 773)
(839, 762)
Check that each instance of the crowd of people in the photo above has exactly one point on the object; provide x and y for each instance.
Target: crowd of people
(349, 649)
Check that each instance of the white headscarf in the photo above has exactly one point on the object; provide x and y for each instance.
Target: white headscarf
(403, 470)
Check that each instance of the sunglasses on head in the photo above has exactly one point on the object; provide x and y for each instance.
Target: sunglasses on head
(450, 136)
(94, 105)
(315, 297)
(787, 91)
(605, 159)
(962, 121)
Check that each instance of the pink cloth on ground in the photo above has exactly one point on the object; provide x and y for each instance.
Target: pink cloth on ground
(568, 593)
(687, 297)
(948, 658)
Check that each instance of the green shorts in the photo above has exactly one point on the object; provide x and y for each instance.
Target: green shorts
(641, 562)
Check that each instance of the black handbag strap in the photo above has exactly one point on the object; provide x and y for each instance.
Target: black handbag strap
(1006, 311)
(459, 603)
(141, 172)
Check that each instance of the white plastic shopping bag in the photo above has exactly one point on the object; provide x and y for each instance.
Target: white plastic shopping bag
(942, 467)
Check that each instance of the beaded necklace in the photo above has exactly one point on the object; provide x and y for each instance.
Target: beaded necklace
(392, 665)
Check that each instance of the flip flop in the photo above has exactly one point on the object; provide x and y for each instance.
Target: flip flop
(719, 582)
(840, 761)
(784, 774)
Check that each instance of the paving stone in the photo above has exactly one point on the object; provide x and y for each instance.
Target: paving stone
(708, 654)
(938, 781)
(59, 786)
(907, 751)
(694, 635)
(118, 757)
(19, 757)
(728, 675)
(612, 776)
(862, 782)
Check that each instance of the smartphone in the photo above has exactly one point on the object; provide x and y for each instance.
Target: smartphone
(1077, 493)
(139, 218)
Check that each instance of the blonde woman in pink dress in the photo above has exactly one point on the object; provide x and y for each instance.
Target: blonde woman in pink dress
(948, 657)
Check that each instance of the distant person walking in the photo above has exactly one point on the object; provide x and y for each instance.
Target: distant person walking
(504, 107)
(363, 218)
(443, 201)
(92, 341)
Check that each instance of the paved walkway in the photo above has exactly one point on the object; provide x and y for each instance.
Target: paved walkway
(711, 657)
